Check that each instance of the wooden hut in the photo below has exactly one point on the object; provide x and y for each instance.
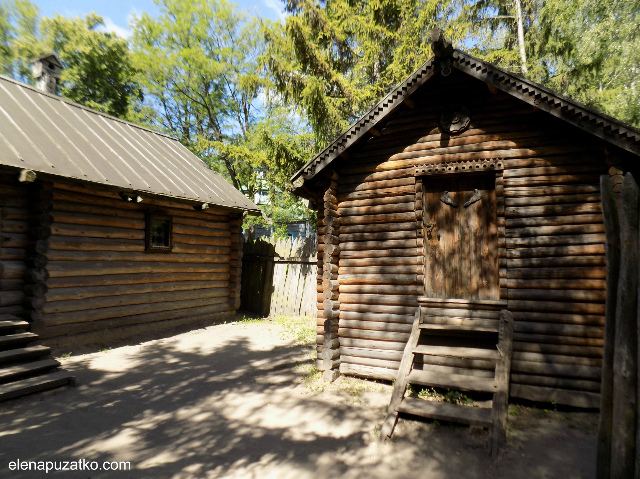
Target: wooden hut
(472, 187)
(107, 230)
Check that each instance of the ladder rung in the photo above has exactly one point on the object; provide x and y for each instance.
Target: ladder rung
(453, 381)
(475, 326)
(444, 411)
(456, 352)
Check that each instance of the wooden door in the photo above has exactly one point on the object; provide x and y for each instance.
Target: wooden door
(461, 240)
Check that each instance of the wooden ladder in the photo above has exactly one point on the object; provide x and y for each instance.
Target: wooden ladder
(461, 345)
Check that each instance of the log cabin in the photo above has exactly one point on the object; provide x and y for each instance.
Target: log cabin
(108, 230)
(467, 190)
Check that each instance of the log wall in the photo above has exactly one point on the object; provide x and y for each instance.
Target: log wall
(103, 285)
(14, 226)
(551, 237)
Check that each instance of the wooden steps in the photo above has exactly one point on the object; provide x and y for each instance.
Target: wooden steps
(463, 346)
(35, 384)
(25, 368)
(444, 411)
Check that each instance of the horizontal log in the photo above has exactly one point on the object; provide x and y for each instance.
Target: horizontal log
(133, 298)
(550, 180)
(85, 292)
(377, 245)
(556, 369)
(385, 200)
(550, 191)
(559, 284)
(70, 243)
(384, 261)
(374, 335)
(557, 339)
(11, 298)
(583, 229)
(389, 355)
(11, 284)
(55, 319)
(214, 310)
(199, 231)
(378, 218)
(368, 371)
(580, 399)
(81, 256)
(555, 240)
(99, 268)
(65, 206)
(102, 219)
(562, 383)
(376, 299)
(376, 210)
(552, 210)
(378, 236)
(570, 169)
(377, 317)
(527, 201)
(559, 250)
(383, 363)
(409, 226)
(381, 289)
(97, 231)
(578, 331)
(132, 279)
(345, 190)
(553, 221)
(381, 309)
(372, 344)
(12, 269)
(555, 317)
(559, 272)
(539, 306)
(558, 295)
(569, 353)
(556, 262)
(375, 326)
(380, 253)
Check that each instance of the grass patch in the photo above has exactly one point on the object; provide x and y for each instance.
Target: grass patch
(301, 329)
(64, 356)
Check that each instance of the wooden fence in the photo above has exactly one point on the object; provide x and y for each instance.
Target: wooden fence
(279, 277)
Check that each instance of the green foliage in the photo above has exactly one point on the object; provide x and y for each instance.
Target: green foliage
(98, 71)
(334, 59)
(456, 397)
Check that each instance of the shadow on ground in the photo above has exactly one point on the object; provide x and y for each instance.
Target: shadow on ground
(228, 401)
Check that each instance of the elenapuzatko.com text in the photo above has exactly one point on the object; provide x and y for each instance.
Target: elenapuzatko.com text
(79, 465)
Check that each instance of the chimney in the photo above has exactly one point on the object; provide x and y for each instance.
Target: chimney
(46, 70)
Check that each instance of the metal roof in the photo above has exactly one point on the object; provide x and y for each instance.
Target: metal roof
(48, 134)
(595, 122)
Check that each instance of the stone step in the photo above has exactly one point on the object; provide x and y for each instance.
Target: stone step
(36, 384)
(11, 326)
(23, 354)
(452, 381)
(443, 411)
(33, 368)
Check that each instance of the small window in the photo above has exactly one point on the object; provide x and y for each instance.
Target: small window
(159, 232)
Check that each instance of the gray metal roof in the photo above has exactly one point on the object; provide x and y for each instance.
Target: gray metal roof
(48, 134)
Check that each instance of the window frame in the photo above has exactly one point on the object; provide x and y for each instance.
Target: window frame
(149, 247)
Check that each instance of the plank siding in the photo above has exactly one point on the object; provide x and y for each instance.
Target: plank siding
(102, 282)
(550, 228)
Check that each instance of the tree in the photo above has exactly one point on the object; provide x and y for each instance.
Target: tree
(200, 72)
(336, 58)
(98, 69)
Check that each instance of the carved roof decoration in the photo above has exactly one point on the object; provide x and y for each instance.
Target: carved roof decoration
(472, 166)
(573, 112)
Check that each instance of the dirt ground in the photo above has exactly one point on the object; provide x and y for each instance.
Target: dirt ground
(241, 401)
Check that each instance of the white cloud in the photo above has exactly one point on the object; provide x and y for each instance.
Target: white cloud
(111, 27)
(277, 7)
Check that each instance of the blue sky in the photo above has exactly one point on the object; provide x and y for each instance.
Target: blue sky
(117, 13)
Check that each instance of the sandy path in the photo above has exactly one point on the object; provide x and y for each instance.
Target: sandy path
(229, 401)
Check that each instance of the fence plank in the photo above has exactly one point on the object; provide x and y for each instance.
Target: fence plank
(279, 277)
